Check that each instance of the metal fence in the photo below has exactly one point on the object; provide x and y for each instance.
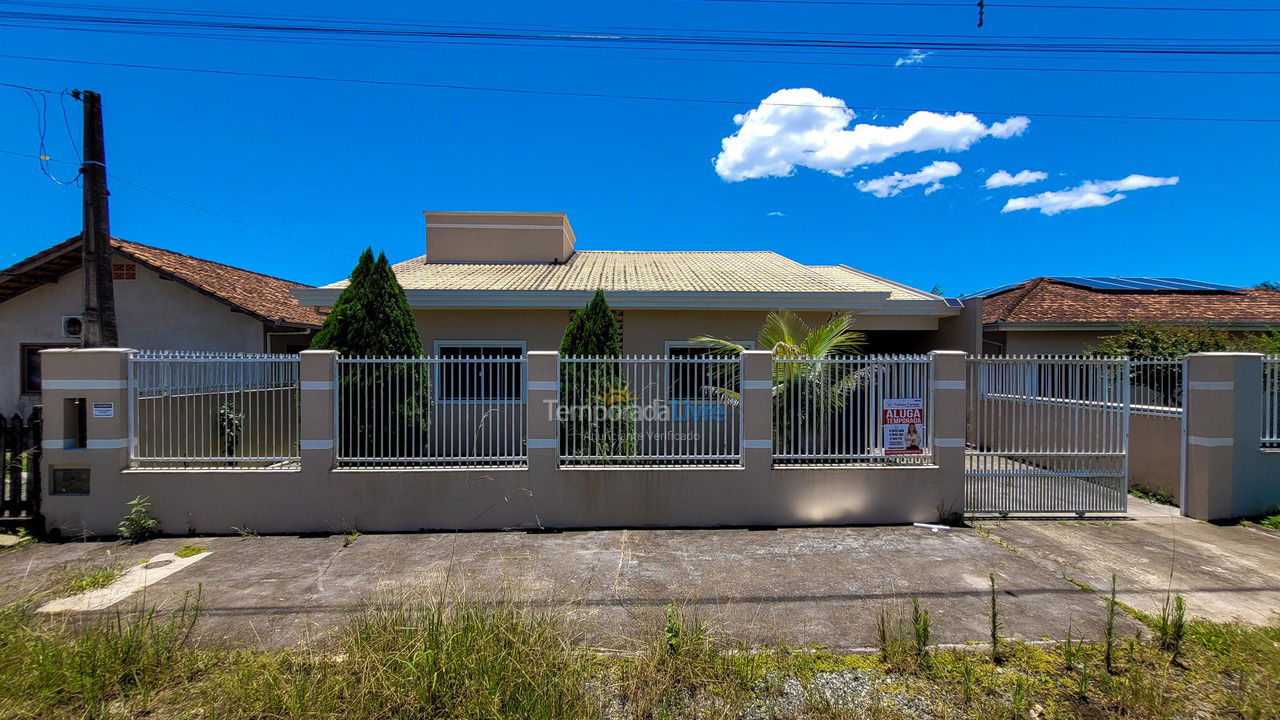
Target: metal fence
(1155, 387)
(650, 411)
(856, 410)
(192, 410)
(1047, 434)
(431, 412)
(1271, 402)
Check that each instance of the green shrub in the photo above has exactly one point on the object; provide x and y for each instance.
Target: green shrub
(599, 410)
(139, 525)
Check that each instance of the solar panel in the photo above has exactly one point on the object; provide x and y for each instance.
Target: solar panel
(1141, 284)
(991, 291)
(953, 302)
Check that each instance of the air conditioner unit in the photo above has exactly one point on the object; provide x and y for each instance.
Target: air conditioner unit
(72, 326)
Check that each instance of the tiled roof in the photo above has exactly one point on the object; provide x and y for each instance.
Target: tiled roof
(614, 271)
(1042, 300)
(261, 295)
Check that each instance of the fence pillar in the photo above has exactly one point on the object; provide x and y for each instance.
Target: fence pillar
(757, 410)
(950, 405)
(318, 375)
(542, 398)
(1223, 406)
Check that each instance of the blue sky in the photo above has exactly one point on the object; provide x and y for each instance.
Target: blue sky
(328, 168)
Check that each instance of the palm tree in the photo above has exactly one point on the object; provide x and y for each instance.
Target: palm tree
(808, 388)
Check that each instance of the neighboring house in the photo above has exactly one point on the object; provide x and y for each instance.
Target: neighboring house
(1067, 315)
(164, 300)
(506, 283)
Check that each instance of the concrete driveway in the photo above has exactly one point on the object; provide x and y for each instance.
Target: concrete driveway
(821, 586)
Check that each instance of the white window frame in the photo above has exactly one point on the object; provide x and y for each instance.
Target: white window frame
(524, 370)
(667, 347)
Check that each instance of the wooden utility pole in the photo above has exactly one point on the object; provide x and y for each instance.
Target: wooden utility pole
(99, 326)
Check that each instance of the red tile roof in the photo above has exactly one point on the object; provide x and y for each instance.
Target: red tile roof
(1043, 300)
(263, 296)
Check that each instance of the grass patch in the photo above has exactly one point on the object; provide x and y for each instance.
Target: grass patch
(1272, 522)
(76, 579)
(1152, 496)
(424, 656)
(187, 551)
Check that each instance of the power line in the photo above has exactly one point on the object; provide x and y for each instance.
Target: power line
(1015, 6)
(193, 206)
(609, 96)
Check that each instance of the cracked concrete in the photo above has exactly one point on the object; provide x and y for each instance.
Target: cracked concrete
(821, 586)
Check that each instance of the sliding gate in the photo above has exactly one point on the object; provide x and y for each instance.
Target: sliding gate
(1047, 435)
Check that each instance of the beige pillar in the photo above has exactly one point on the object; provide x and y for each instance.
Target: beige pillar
(950, 398)
(542, 400)
(757, 410)
(318, 374)
(1222, 402)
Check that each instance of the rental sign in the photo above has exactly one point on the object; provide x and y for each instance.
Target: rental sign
(903, 422)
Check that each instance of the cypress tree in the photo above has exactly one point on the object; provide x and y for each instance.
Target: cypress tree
(601, 411)
(371, 317)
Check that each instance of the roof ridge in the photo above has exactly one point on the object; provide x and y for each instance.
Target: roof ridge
(1028, 287)
(115, 240)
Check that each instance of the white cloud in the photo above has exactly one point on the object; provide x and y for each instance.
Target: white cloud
(1096, 193)
(776, 213)
(802, 127)
(915, 57)
(931, 175)
(1001, 178)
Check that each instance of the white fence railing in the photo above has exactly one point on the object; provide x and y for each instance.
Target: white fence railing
(213, 410)
(431, 412)
(1155, 387)
(1271, 402)
(650, 411)
(873, 409)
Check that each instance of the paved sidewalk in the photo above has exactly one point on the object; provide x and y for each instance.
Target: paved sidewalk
(820, 586)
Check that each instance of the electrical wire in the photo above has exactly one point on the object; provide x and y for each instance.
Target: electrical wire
(193, 206)
(610, 96)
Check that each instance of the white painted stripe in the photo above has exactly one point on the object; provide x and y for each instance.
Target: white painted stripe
(111, 444)
(491, 226)
(316, 444)
(133, 580)
(1211, 442)
(540, 443)
(54, 444)
(757, 444)
(1211, 385)
(84, 384)
(757, 384)
(317, 384)
(949, 384)
(542, 384)
(948, 442)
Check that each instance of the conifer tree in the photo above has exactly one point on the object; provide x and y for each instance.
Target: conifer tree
(372, 319)
(599, 409)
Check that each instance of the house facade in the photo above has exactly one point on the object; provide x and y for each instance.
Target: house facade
(164, 300)
(1068, 315)
(507, 283)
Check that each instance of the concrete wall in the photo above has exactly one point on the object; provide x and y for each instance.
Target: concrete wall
(1050, 342)
(1228, 473)
(319, 498)
(1155, 454)
(151, 313)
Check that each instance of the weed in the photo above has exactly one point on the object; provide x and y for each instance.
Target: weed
(1152, 496)
(1109, 630)
(244, 532)
(995, 621)
(187, 551)
(1171, 626)
(350, 538)
(1072, 651)
(921, 625)
(85, 578)
(139, 525)
(671, 627)
(1272, 522)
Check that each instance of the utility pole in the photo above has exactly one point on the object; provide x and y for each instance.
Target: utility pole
(99, 322)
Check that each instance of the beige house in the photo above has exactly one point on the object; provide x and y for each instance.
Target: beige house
(164, 300)
(508, 282)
